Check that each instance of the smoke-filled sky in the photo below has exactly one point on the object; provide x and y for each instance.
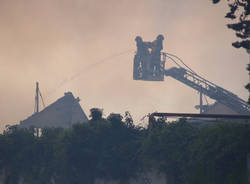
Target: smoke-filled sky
(87, 47)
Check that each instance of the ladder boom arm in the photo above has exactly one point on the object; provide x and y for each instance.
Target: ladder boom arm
(208, 88)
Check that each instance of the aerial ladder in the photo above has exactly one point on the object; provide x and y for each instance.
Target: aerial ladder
(188, 77)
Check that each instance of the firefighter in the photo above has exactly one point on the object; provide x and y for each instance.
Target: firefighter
(157, 46)
(143, 56)
(139, 45)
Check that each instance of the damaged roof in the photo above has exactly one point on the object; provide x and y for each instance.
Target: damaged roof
(62, 113)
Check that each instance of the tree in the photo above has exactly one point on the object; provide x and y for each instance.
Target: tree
(248, 85)
(123, 146)
(49, 155)
(96, 114)
(240, 9)
(17, 148)
(218, 154)
(113, 148)
(242, 27)
(166, 148)
(99, 149)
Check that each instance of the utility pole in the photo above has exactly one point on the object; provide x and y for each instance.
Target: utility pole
(201, 103)
(38, 93)
(37, 106)
(37, 98)
(36, 110)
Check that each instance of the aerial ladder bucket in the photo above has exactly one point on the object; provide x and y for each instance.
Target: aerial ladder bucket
(149, 61)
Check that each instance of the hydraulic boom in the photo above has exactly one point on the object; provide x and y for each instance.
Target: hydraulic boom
(208, 88)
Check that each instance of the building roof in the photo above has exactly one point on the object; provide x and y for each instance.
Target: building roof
(218, 108)
(62, 113)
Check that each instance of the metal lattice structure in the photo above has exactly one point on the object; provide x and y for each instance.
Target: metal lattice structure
(208, 88)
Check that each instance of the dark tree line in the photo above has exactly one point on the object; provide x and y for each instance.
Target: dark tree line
(113, 148)
(239, 10)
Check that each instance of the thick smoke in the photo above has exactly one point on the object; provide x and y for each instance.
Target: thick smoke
(51, 41)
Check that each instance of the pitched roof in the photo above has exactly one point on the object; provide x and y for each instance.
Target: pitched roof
(62, 113)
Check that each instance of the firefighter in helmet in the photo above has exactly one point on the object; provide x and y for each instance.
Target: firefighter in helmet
(157, 46)
(142, 56)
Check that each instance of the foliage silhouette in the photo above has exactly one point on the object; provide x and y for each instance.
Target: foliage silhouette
(113, 149)
(239, 9)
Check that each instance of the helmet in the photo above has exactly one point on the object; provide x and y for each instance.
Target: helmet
(138, 39)
(160, 37)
